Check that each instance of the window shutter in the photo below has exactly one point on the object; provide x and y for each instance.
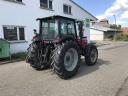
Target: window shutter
(5, 33)
(50, 4)
(44, 3)
(70, 11)
(21, 34)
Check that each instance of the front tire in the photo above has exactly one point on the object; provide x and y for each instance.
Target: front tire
(92, 57)
(66, 59)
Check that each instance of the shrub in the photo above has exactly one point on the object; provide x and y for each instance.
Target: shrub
(121, 37)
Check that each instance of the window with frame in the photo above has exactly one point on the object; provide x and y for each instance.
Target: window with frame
(46, 4)
(67, 9)
(67, 27)
(14, 33)
(49, 29)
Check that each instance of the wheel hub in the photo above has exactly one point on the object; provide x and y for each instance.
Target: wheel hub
(71, 59)
(68, 58)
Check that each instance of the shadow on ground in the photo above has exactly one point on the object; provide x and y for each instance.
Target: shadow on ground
(84, 69)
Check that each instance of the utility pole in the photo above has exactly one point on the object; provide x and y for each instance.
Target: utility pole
(115, 27)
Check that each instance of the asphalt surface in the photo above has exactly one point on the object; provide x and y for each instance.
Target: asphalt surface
(104, 79)
(123, 91)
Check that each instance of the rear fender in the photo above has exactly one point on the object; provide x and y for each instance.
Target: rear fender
(36, 38)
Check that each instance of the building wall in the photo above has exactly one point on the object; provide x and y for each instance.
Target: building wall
(109, 35)
(125, 30)
(25, 14)
(96, 35)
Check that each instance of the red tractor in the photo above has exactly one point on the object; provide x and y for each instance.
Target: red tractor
(60, 45)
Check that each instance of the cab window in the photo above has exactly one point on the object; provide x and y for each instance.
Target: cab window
(67, 27)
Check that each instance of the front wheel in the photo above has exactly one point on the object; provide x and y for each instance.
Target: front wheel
(92, 57)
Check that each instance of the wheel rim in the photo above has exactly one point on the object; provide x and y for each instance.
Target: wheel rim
(70, 59)
(93, 55)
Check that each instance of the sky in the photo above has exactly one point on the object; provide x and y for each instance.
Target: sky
(107, 9)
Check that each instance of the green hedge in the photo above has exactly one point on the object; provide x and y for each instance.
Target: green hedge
(121, 37)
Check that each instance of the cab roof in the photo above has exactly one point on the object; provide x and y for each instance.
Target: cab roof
(55, 17)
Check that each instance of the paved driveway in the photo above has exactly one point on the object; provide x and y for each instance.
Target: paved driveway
(103, 79)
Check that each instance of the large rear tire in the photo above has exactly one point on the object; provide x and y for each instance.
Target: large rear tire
(34, 57)
(66, 59)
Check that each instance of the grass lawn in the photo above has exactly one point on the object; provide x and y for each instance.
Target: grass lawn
(18, 56)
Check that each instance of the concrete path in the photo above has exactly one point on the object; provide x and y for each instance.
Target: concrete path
(104, 79)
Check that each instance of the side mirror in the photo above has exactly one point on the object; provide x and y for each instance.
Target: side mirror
(35, 31)
(80, 28)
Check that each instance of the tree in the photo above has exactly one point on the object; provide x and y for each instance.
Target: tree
(119, 27)
(114, 26)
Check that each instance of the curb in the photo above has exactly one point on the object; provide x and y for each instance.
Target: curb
(99, 45)
(11, 61)
(123, 90)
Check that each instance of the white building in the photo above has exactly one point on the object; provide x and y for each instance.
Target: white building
(100, 33)
(96, 35)
(18, 18)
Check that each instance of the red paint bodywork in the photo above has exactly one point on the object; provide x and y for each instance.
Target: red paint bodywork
(83, 42)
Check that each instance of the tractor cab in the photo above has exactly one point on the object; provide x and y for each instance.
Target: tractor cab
(58, 28)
